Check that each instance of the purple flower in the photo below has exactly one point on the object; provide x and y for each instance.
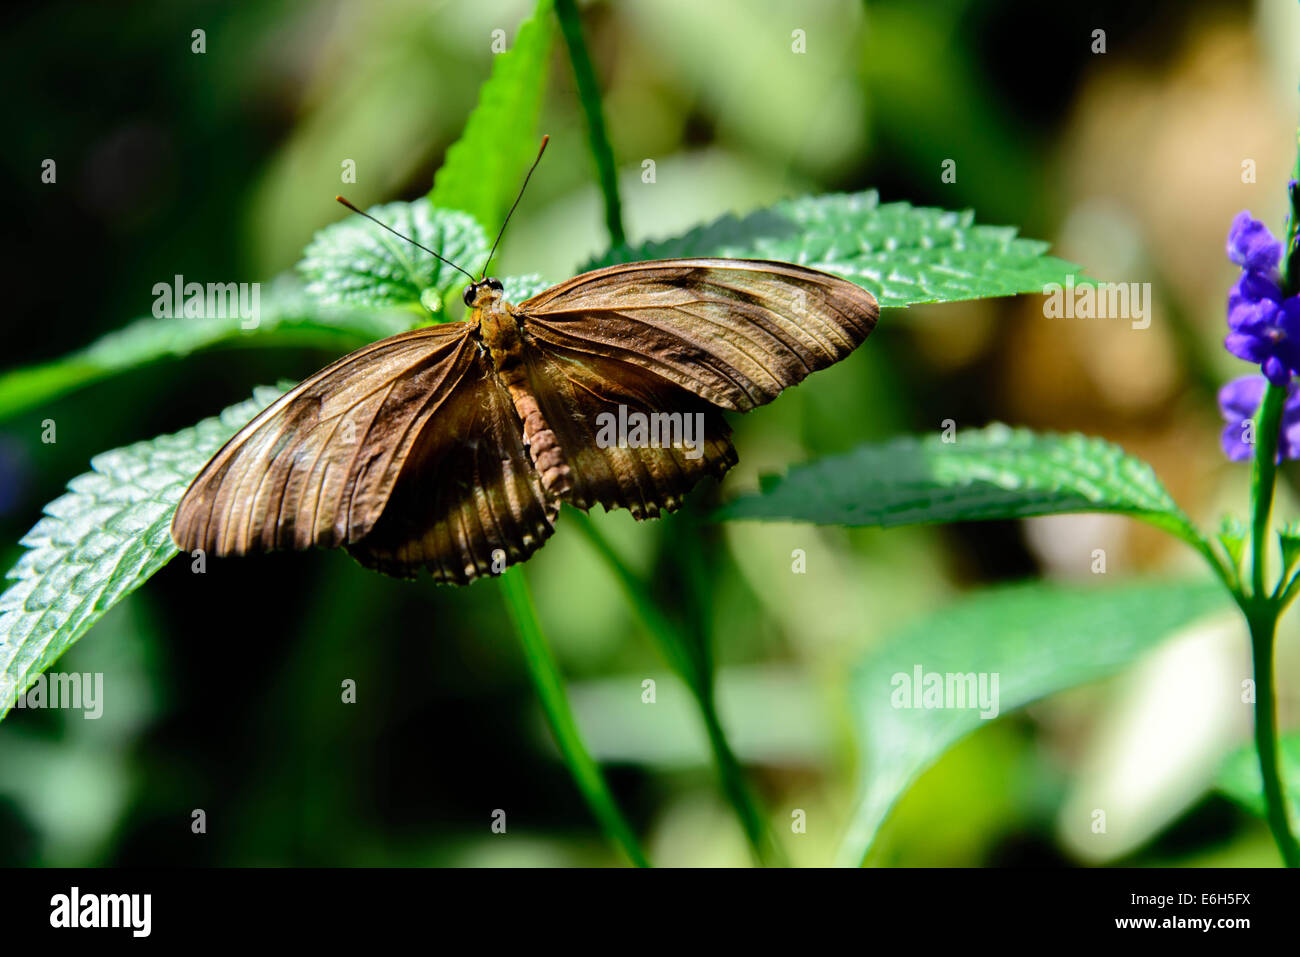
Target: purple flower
(1251, 246)
(1253, 288)
(1264, 328)
(1267, 333)
(1239, 401)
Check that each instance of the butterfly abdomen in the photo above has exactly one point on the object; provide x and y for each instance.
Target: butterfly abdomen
(505, 343)
(543, 446)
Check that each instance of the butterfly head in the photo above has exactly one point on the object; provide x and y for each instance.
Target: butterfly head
(483, 293)
(479, 294)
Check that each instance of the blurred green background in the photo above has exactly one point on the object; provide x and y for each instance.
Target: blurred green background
(223, 689)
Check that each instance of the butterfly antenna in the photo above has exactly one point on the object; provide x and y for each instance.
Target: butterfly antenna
(401, 236)
(540, 151)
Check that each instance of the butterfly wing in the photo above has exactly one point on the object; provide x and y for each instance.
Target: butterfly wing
(322, 465)
(469, 503)
(677, 336)
(595, 404)
(734, 332)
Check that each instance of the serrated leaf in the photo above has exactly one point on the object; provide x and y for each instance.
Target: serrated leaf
(286, 318)
(518, 288)
(904, 254)
(1037, 638)
(482, 169)
(357, 263)
(1239, 778)
(101, 541)
(991, 473)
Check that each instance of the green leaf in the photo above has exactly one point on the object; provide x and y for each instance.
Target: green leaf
(1239, 777)
(519, 288)
(904, 254)
(101, 541)
(991, 473)
(1233, 533)
(566, 12)
(355, 262)
(1037, 638)
(287, 318)
(482, 170)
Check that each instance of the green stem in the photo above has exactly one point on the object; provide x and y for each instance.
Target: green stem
(693, 665)
(1262, 609)
(1291, 248)
(1263, 627)
(1262, 480)
(589, 94)
(546, 677)
(734, 785)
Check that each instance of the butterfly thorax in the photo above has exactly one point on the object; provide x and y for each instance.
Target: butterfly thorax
(500, 333)
(498, 330)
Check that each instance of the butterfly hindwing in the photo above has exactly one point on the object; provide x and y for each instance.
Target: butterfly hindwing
(467, 507)
(595, 405)
(733, 331)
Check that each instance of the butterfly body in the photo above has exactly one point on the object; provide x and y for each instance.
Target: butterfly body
(450, 448)
(499, 328)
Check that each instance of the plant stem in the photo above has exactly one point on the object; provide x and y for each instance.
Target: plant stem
(1263, 627)
(1290, 248)
(589, 94)
(550, 689)
(1262, 609)
(761, 842)
(693, 665)
(1262, 480)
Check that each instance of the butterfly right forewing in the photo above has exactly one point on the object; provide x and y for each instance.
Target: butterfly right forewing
(735, 332)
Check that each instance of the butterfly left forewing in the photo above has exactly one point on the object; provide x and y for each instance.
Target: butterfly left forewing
(316, 467)
(405, 452)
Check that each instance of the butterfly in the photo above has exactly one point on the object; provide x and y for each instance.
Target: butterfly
(450, 448)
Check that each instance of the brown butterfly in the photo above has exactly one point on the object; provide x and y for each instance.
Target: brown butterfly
(451, 447)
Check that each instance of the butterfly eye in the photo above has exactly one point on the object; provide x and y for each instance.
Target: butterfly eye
(494, 284)
(468, 295)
